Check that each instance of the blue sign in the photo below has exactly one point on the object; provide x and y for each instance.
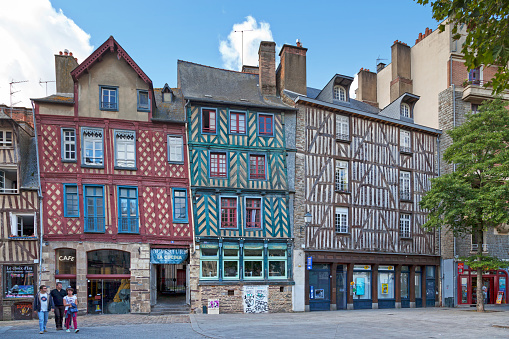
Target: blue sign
(168, 256)
(311, 292)
(360, 284)
(309, 263)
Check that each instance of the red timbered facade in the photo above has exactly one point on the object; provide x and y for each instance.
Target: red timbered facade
(114, 179)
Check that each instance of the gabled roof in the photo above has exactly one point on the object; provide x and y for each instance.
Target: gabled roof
(57, 99)
(169, 111)
(110, 45)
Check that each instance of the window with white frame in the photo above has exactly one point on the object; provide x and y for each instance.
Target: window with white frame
(342, 127)
(125, 149)
(5, 138)
(405, 110)
(8, 181)
(23, 225)
(404, 225)
(339, 93)
(68, 144)
(209, 261)
(341, 220)
(404, 141)
(175, 148)
(404, 185)
(341, 175)
(93, 154)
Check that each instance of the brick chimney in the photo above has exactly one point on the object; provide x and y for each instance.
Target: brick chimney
(291, 74)
(64, 64)
(401, 70)
(267, 67)
(366, 91)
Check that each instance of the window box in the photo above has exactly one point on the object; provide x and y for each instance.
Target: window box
(108, 98)
(143, 101)
(15, 237)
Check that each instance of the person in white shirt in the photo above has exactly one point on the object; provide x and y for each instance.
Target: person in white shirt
(42, 305)
(71, 311)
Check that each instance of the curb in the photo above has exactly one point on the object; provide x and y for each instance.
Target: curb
(196, 328)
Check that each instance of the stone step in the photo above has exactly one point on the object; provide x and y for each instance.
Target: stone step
(170, 312)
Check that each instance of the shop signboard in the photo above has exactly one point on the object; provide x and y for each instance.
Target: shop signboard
(461, 266)
(500, 295)
(168, 256)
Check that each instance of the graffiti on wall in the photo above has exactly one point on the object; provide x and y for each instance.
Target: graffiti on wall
(256, 299)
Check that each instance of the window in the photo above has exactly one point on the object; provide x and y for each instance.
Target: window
(386, 282)
(208, 120)
(228, 212)
(175, 149)
(109, 96)
(237, 122)
(217, 165)
(341, 220)
(19, 281)
(23, 225)
(253, 261)
(143, 101)
(253, 212)
(405, 110)
(405, 145)
(8, 181)
(257, 167)
(475, 244)
(5, 138)
(277, 261)
(209, 261)
(339, 93)
(108, 262)
(66, 261)
(125, 149)
(474, 108)
(71, 207)
(342, 127)
(94, 208)
(342, 176)
(230, 261)
(404, 185)
(404, 225)
(180, 205)
(405, 282)
(93, 154)
(474, 76)
(68, 144)
(418, 279)
(362, 282)
(127, 210)
(265, 125)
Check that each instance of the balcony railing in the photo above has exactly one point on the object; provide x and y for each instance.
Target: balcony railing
(475, 91)
(476, 246)
(8, 190)
(108, 105)
(128, 225)
(94, 224)
(342, 137)
(405, 149)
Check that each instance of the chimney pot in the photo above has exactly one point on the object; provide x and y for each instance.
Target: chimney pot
(70, 53)
(60, 53)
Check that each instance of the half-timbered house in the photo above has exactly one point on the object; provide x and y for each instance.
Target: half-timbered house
(360, 174)
(114, 178)
(242, 183)
(19, 213)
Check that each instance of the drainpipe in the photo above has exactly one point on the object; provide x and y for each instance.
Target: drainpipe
(39, 194)
(455, 278)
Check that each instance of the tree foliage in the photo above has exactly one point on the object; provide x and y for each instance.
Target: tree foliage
(487, 39)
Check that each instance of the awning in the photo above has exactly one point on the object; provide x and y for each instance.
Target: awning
(168, 256)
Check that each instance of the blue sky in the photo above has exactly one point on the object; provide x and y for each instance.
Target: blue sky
(342, 36)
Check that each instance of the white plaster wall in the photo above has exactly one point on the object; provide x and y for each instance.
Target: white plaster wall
(299, 276)
(383, 87)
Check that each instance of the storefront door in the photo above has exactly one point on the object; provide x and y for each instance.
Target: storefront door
(109, 296)
(319, 288)
(341, 288)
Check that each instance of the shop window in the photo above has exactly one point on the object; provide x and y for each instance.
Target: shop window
(230, 261)
(68, 144)
(228, 212)
(404, 186)
(405, 282)
(253, 212)
(237, 122)
(66, 262)
(93, 150)
(128, 209)
(341, 176)
(19, 281)
(5, 138)
(418, 284)
(125, 149)
(386, 282)
(180, 205)
(71, 205)
(253, 261)
(109, 262)
(342, 127)
(175, 149)
(362, 282)
(23, 226)
(209, 261)
(277, 261)
(208, 121)
(94, 209)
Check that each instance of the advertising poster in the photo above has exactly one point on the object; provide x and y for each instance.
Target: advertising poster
(360, 284)
(256, 299)
(385, 288)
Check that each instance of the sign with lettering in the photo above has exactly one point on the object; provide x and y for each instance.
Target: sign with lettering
(65, 258)
(168, 256)
(461, 266)
(500, 295)
(309, 263)
(22, 311)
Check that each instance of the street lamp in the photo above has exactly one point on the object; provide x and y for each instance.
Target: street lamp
(307, 220)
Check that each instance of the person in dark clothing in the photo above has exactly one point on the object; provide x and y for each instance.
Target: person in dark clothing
(58, 295)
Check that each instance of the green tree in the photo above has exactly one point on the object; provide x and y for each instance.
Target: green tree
(475, 196)
(487, 40)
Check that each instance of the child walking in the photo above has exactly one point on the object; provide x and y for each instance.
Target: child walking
(71, 310)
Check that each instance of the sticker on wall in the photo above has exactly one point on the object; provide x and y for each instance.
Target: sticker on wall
(255, 299)
(385, 288)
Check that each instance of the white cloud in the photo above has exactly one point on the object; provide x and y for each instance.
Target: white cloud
(31, 33)
(354, 86)
(231, 48)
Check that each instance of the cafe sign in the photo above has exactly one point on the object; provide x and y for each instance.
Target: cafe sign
(168, 255)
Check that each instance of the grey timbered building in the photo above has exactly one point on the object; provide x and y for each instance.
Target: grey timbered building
(360, 174)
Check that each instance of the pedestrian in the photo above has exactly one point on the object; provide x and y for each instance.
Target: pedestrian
(71, 310)
(42, 305)
(58, 295)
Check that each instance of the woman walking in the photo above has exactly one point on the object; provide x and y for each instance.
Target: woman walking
(71, 310)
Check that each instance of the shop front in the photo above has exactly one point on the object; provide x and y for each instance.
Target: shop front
(169, 276)
(18, 291)
(493, 285)
(337, 281)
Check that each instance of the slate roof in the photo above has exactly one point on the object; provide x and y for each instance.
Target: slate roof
(215, 85)
(392, 110)
(67, 99)
(28, 168)
(169, 111)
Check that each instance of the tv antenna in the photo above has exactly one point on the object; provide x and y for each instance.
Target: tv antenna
(12, 91)
(46, 83)
(379, 59)
(242, 32)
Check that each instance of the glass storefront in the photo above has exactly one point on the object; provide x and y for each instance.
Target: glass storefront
(493, 286)
(65, 272)
(386, 286)
(362, 281)
(19, 281)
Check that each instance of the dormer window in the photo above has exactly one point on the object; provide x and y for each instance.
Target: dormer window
(405, 110)
(339, 93)
(167, 93)
(5, 138)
